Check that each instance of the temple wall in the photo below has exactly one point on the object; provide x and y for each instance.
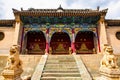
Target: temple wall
(111, 34)
(7, 40)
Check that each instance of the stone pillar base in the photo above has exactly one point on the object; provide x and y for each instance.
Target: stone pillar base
(107, 78)
(109, 74)
(74, 53)
(46, 53)
(12, 74)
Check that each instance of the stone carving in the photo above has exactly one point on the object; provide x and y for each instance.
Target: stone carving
(13, 68)
(108, 66)
(13, 62)
(109, 60)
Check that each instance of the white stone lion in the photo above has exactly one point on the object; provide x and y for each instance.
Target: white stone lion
(109, 60)
(13, 61)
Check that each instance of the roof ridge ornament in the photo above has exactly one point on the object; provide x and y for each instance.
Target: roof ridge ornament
(21, 9)
(98, 8)
(14, 9)
(60, 9)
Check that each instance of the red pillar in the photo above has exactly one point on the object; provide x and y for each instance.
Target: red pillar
(73, 42)
(47, 40)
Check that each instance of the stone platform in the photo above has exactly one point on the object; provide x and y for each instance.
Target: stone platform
(91, 62)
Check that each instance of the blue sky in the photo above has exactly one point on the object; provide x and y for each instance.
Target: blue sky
(7, 5)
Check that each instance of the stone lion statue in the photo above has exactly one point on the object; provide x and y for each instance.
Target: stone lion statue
(13, 61)
(109, 60)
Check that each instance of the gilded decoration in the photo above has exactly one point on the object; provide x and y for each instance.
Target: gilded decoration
(85, 28)
(83, 47)
(43, 30)
(50, 50)
(77, 30)
(26, 29)
(70, 50)
(17, 18)
(60, 47)
(36, 47)
(60, 29)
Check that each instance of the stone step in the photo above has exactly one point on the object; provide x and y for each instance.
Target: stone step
(59, 62)
(50, 71)
(47, 68)
(61, 75)
(60, 57)
(64, 70)
(62, 60)
(60, 65)
(61, 78)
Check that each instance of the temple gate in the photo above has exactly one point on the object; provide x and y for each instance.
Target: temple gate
(84, 42)
(60, 43)
(35, 42)
(59, 31)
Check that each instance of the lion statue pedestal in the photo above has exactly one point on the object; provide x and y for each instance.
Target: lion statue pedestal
(12, 74)
(108, 66)
(13, 68)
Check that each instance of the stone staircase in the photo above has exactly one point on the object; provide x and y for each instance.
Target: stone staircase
(60, 67)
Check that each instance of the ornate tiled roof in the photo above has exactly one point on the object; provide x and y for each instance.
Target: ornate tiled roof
(60, 12)
(113, 22)
(7, 22)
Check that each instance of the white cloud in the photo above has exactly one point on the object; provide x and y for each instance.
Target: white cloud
(114, 9)
(7, 5)
(1, 9)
